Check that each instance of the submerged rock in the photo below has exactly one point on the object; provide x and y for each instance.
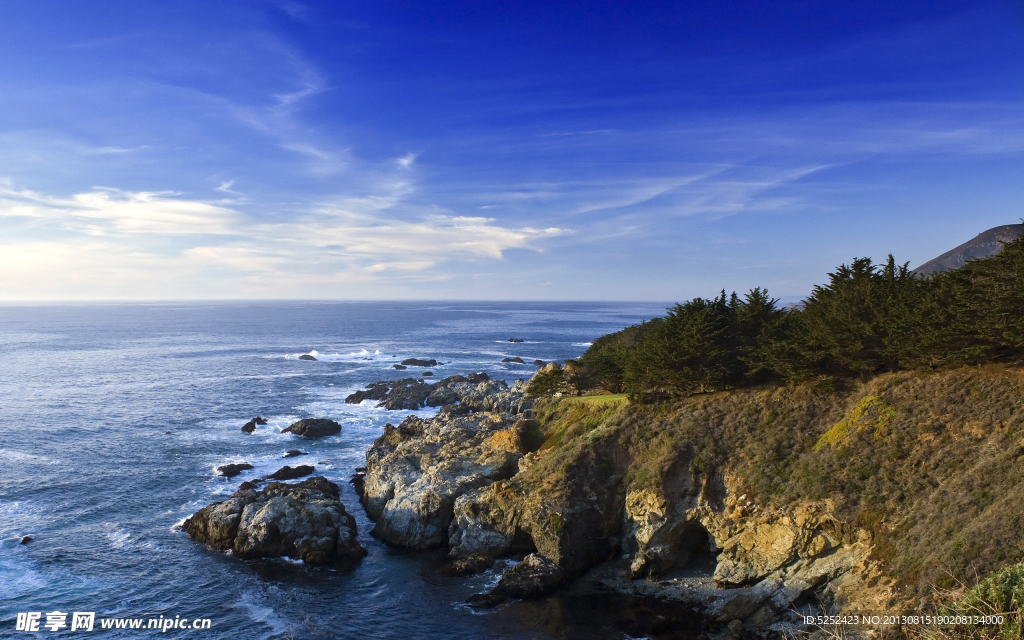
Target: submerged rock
(416, 362)
(233, 469)
(514, 340)
(304, 520)
(250, 426)
(314, 428)
(290, 473)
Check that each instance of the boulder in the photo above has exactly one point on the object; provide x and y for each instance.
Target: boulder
(314, 428)
(233, 469)
(416, 362)
(290, 473)
(250, 426)
(26, 539)
(306, 356)
(517, 360)
(400, 367)
(293, 453)
(304, 520)
(539, 363)
(534, 577)
(427, 374)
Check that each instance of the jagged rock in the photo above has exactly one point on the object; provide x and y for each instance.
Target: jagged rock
(416, 362)
(407, 393)
(375, 391)
(304, 520)
(464, 566)
(233, 469)
(314, 428)
(306, 356)
(417, 470)
(250, 426)
(290, 473)
(293, 453)
(400, 367)
(534, 577)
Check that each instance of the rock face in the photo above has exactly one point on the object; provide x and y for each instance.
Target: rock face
(306, 356)
(290, 473)
(233, 469)
(250, 426)
(416, 362)
(304, 520)
(417, 470)
(314, 428)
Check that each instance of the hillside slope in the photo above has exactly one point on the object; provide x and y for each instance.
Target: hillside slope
(983, 245)
(866, 496)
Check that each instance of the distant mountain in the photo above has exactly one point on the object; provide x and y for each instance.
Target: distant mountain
(985, 244)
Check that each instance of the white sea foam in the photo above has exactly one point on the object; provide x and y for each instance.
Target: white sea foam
(265, 615)
(353, 356)
(582, 344)
(18, 456)
(17, 579)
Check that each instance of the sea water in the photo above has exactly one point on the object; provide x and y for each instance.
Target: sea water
(113, 419)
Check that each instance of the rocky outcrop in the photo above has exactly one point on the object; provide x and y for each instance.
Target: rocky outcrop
(477, 392)
(304, 520)
(416, 362)
(405, 393)
(233, 469)
(250, 426)
(290, 473)
(417, 470)
(314, 428)
(515, 360)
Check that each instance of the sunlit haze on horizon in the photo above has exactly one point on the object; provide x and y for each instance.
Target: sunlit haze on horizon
(480, 150)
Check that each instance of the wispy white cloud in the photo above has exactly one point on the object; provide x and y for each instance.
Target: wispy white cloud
(161, 244)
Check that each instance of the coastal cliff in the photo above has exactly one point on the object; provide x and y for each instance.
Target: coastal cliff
(751, 504)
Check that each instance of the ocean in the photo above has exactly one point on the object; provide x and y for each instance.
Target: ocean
(113, 418)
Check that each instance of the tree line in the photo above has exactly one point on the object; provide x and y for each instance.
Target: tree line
(868, 318)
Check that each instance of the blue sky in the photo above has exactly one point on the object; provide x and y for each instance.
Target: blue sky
(655, 151)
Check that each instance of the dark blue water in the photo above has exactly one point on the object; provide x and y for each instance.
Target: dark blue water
(89, 393)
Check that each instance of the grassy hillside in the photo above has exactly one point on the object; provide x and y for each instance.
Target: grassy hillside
(931, 463)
